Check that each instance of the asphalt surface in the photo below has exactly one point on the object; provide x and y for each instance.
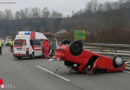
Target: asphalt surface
(41, 74)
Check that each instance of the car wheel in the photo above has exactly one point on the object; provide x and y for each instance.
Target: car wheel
(76, 47)
(118, 62)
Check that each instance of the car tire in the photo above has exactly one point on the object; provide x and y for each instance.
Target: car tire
(76, 47)
(118, 62)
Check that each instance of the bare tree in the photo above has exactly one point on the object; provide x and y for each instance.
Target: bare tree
(1, 15)
(55, 14)
(45, 13)
(35, 12)
(8, 14)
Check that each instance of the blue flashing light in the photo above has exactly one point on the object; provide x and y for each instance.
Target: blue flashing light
(27, 33)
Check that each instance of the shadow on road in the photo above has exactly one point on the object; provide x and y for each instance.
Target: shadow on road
(95, 74)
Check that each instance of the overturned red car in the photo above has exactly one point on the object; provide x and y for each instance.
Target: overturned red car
(85, 61)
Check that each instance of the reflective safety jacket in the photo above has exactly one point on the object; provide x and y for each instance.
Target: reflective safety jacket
(11, 43)
(0, 44)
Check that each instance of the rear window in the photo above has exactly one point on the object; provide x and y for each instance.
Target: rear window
(35, 42)
(19, 42)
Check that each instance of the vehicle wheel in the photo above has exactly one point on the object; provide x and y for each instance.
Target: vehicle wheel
(76, 47)
(32, 56)
(118, 62)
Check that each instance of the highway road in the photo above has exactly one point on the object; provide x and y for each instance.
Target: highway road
(41, 74)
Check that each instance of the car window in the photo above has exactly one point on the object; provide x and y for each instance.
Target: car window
(19, 42)
(35, 42)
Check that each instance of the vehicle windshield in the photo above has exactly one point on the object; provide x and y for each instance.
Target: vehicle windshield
(19, 42)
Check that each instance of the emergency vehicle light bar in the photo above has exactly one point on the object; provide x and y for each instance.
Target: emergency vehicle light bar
(27, 33)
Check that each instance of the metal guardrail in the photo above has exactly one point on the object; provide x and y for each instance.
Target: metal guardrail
(109, 49)
(108, 45)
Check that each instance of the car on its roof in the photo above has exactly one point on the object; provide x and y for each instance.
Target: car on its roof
(85, 61)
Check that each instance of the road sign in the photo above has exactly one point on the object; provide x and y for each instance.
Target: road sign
(79, 34)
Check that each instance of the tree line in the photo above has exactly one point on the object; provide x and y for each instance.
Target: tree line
(104, 22)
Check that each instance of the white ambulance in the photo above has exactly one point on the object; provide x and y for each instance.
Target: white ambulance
(28, 44)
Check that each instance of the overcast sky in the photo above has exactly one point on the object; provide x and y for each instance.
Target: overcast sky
(63, 6)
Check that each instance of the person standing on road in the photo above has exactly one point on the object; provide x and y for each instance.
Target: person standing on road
(46, 48)
(11, 46)
(0, 48)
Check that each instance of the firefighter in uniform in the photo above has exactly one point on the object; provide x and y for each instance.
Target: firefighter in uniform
(11, 46)
(46, 48)
(0, 48)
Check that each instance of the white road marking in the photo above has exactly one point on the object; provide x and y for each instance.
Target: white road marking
(53, 73)
(54, 60)
(51, 60)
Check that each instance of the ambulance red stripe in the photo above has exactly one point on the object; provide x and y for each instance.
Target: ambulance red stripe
(33, 35)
